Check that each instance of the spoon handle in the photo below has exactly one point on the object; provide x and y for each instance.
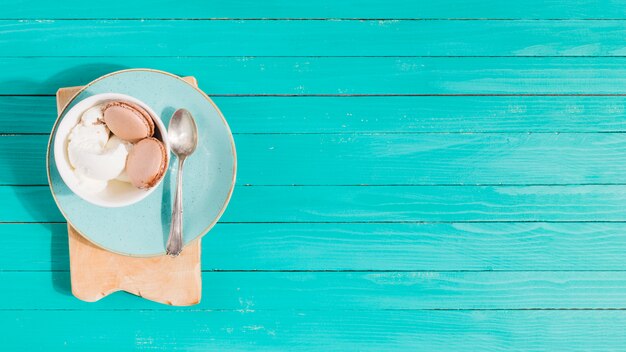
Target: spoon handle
(175, 242)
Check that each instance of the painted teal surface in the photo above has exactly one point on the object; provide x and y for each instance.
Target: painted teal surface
(369, 330)
(338, 76)
(433, 176)
(321, 9)
(314, 38)
(497, 246)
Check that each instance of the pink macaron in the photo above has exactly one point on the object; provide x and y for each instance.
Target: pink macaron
(128, 121)
(146, 163)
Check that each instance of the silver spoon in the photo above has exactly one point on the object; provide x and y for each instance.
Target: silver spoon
(183, 137)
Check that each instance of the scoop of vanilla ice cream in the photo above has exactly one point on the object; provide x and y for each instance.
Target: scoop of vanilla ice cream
(103, 164)
(90, 184)
(123, 176)
(93, 115)
(96, 158)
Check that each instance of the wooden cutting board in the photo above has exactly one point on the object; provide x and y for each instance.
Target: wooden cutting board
(96, 273)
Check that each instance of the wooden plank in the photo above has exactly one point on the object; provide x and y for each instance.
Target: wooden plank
(243, 9)
(27, 114)
(428, 159)
(379, 204)
(36, 114)
(304, 330)
(429, 203)
(336, 291)
(335, 76)
(424, 247)
(389, 159)
(25, 204)
(312, 38)
(363, 9)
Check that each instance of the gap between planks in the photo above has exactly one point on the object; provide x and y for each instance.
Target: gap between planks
(325, 56)
(384, 222)
(390, 185)
(311, 310)
(321, 271)
(312, 19)
(378, 95)
(369, 133)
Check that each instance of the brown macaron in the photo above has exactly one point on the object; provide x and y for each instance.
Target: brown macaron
(128, 121)
(146, 163)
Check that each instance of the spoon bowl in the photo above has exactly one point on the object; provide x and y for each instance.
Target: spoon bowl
(182, 133)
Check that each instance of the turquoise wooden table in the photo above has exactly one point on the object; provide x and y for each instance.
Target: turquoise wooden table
(413, 175)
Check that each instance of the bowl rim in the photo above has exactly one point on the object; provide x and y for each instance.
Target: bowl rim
(60, 149)
(205, 96)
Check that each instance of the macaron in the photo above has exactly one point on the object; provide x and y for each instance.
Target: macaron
(146, 163)
(128, 121)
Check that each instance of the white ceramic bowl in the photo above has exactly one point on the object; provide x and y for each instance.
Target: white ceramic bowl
(116, 194)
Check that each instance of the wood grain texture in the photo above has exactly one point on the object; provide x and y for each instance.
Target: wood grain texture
(355, 9)
(390, 159)
(336, 76)
(313, 38)
(271, 204)
(363, 9)
(366, 246)
(340, 267)
(336, 291)
(304, 330)
(403, 114)
(96, 273)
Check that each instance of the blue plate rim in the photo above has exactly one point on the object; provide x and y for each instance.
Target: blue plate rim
(230, 135)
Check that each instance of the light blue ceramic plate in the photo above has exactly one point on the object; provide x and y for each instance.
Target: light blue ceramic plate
(142, 229)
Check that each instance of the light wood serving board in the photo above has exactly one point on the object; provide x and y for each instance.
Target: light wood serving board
(96, 273)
